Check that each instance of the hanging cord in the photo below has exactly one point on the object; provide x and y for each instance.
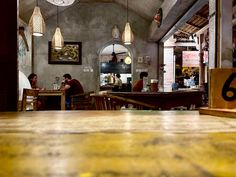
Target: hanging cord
(37, 3)
(127, 14)
(57, 18)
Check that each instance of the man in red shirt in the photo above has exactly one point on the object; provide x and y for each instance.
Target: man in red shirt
(71, 87)
(138, 86)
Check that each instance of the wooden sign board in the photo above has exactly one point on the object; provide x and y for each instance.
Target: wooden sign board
(222, 93)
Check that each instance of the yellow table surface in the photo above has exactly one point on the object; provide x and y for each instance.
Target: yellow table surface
(116, 144)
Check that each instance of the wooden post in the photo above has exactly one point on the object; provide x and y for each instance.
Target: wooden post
(8, 59)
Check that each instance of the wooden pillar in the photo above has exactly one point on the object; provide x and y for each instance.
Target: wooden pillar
(220, 34)
(8, 55)
(201, 68)
(222, 74)
(160, 65)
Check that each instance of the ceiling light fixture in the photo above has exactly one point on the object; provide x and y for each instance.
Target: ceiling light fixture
(57, 40)
(115, 32)
(36, 22)
(61, 2)
(128, 60)
(127, 36)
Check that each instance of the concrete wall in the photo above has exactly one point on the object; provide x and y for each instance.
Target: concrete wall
(91, 24)
(24, 56)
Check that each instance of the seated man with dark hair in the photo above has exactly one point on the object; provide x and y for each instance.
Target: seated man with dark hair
(138, 86)
(71, 87)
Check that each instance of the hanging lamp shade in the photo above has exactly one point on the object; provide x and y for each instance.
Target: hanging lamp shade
(127, 36)
(61, 2)
(36, 23)
(57, 40)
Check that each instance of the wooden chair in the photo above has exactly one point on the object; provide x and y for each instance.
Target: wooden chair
(112, 102)
(82, 101)
(99, 101)
(29, 99)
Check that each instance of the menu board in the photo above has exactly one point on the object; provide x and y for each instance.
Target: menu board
(120, 67)
(191, 59)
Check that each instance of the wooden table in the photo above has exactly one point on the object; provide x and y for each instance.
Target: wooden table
(55, 93)
(166, 100)
(116, 143)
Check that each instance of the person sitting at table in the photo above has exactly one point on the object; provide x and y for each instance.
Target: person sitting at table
(71, 87)
(175, 85)
(118, 84)
(33, 78)
(138, 86)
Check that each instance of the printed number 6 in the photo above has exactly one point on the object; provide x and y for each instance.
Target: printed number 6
(226, 88)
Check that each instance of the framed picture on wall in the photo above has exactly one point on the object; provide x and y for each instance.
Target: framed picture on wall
(69, 54)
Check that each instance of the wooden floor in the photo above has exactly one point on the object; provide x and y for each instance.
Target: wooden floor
(116, 144)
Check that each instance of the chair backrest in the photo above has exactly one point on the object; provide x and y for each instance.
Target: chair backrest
(99, 101)
(112, 102)
(82, 101)
(29, 99)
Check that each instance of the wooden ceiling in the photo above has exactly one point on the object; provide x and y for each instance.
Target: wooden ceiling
(200, 20)
(194, 24)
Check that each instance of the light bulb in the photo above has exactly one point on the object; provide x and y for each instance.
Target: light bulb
(128, 60)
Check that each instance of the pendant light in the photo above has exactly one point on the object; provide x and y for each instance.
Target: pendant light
(128, 59)
(36, 22)
(57, 40)
(127, 35)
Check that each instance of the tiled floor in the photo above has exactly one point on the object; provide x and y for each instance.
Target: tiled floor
(116, 144)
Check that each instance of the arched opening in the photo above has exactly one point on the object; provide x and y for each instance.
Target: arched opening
(115, 58)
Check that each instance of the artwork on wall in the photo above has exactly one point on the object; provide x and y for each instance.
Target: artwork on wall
(69, 54)
(140, 59)
(158, 17)
(24, 48)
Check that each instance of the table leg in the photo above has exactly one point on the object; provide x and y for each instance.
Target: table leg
(63, 101)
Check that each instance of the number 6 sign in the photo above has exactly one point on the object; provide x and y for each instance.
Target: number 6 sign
(222, 88)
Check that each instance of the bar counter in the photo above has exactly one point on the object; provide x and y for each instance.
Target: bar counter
(116, 144)
(166, 100)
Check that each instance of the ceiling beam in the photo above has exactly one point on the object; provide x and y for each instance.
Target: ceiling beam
(199, 16)
(172, 10)
(202, 30)
(189, 34)
(193, 25)
(192, 11)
